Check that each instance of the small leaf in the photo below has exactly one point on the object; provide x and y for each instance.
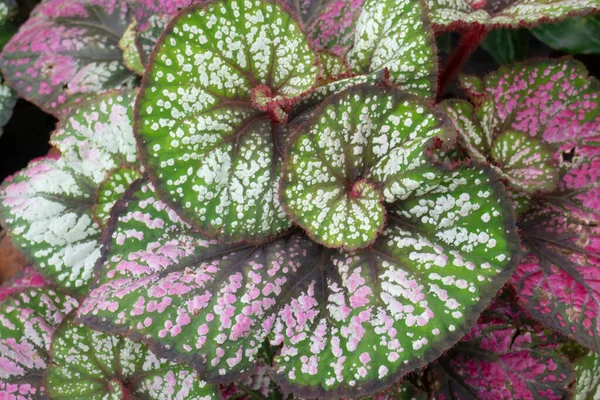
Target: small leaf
(502, 359)
(92, 365)
(576, 35)
(28, 318)
(48, 207)
(588, 377)
(8, 99)
(449, 15)
(131, 53)
(207, 141)
(396, 35)
(65, 54)
(8, 8)
(23, 279)
(110, 191)
(470, 133)
(525, 162)
(362, 146)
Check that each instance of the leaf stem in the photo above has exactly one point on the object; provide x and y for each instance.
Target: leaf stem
(469, 41)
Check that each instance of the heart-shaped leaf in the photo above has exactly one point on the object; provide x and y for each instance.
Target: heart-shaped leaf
(203, 114)
(28, 318)
(396, 35)
(49, 206)
(449, 15)
(66, 53)
(93, 365)
(588, 377)
(362, 146)
(502, 359)
(212, 305)
(362, 319)
(525, 162)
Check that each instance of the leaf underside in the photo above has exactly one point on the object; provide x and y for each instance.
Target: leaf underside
(48, 207)
(208, 148)
(63, 55)
(212, 305)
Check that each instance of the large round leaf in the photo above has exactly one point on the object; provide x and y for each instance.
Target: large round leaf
(66, 53)
(361, 147)
(419, 288)
(207, 141)
(50, 206)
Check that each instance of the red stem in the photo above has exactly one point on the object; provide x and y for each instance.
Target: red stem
(468, 43)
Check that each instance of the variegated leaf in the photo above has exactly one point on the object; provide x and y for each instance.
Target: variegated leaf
(131, 53)
(503, 360)
(8, 8)
(25, 278)
(91, 365)
(334, 27)
(362, 147)
(588, 377)
(525, 162)
(49, 206)
(28, 318)
(333, 67)
(395, 35)
(67, 52)
(218, 78)
(450, 14)
(360, 320)
(8, 99)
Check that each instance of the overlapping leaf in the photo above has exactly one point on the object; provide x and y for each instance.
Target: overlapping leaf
(334, 27)
(362, 146)
(25, 278)
(68, 51)
(216, 77)
(91, 365)
(502, 359)
(49, 206)
(213, 305)
(588, 377)
(577, 35)
(449, 14)
(28, 318)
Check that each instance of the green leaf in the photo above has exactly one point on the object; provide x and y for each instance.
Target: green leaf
(218, 77)
(48, 207)
(8, 8)
(396, 35)
(333, 28)
(470, 133)
(333, 67)
(525, 162)
(507, 46)
(131, 53)
(8, 99)
(28, 318)
(91, 365)
(588, 377)
(576, 35)
(110, 191)
(361, 147)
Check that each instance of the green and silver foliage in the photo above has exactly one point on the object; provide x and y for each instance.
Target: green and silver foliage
(8, 99)
(219, 76)
(95, 366)
(449, 14)
(588, 377)
(363, 147)
(55, 208)
(8, 8)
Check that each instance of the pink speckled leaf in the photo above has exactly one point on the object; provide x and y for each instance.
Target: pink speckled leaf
(333, 29)
(194, 300)
(28, 318)
(49, 207)
(25, 278)
(222, 170)
(68, 51)
(450, 14)
(503, 359)
(91, 365)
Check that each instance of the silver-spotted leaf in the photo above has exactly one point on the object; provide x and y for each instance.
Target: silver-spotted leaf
(360, 320)
(588, 377)
(333, 67)
(525, 162)
(362, 147)
(470, 133)
(49, 206)
(131, 53)
(451, 14)
(503, 360)
(110, 191)
(28, 317)
(90, 365)
(207, 304)
(395, 35)
(8, 99)
(217, 76)
(67, 52)
(26, 277)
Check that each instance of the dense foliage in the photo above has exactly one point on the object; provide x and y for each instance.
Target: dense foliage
(269, 199)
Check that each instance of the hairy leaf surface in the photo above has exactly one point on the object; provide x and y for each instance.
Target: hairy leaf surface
(67, 52)
(218, 78)
(49, 206)
(91, 365)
